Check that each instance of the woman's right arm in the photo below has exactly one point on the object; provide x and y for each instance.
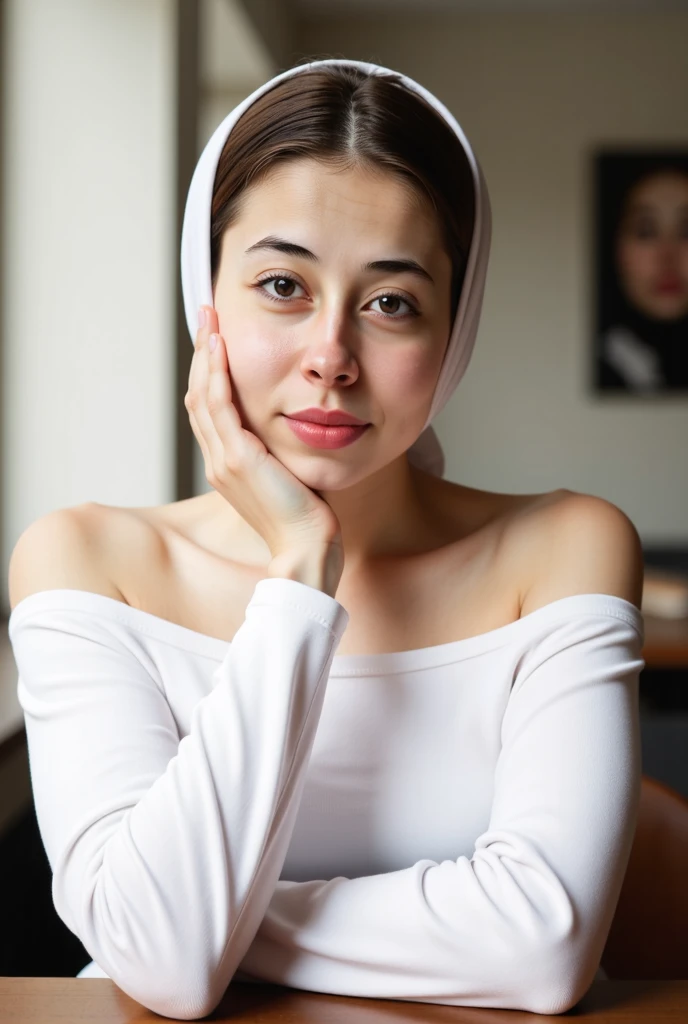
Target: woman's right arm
(165, 853)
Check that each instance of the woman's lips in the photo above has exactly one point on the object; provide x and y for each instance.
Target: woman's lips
(318, 436)
(670, 287)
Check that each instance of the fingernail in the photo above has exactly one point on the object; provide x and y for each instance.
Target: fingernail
(202, 317)
(212, 342)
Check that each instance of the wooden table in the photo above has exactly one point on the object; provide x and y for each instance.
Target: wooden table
(77, 1000)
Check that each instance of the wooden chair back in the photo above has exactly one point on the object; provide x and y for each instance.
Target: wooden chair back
(649, 934)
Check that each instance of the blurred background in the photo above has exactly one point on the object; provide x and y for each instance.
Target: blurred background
(105, 106)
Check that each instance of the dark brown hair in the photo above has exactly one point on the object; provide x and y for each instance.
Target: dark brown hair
(339, 113)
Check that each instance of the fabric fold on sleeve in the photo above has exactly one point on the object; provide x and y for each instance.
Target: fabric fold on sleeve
(165, 853)
(521, 924)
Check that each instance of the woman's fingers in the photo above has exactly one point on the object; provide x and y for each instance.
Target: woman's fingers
(195, 399)
(226, 445)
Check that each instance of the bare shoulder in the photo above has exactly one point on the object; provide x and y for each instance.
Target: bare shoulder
(580, 544)
(64, 549)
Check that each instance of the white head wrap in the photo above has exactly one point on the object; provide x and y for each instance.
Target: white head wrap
(426, 452)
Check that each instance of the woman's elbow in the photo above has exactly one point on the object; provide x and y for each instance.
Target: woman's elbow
(556, 979)
(166, 1000)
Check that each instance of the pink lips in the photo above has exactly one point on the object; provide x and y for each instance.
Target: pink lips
(317, 435)
(326, 428)
(328, 417)
(669, 286)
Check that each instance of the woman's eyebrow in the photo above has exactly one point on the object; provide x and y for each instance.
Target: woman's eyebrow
(281, 245)
(641, 207)
(398, 267)
(390, 266)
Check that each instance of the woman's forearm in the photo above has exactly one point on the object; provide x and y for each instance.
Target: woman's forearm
(165, 853)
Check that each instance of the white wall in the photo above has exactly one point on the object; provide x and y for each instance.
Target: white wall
(235, 61)
(89, 256)
(535, 93)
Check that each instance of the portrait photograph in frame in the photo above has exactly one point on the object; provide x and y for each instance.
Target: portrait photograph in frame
(640, 271)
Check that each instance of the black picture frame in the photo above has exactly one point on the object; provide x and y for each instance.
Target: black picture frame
(640, 271)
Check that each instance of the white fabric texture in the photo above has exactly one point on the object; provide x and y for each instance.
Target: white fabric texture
(444, 825)
(426, 452)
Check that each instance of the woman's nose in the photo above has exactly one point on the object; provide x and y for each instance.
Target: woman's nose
(329, 355)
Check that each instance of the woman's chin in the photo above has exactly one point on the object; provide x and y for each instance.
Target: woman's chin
(663, 312)
(313, 471)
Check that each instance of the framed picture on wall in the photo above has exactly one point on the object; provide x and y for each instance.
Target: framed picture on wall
(640, 238)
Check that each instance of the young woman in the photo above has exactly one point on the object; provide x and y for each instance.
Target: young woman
(339, 723)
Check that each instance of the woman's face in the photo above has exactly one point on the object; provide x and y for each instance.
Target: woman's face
(333, 291)
(652, 246)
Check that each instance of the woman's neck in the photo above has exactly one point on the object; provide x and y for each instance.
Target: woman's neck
(395, 512)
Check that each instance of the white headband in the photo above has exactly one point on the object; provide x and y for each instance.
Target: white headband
(426, 452)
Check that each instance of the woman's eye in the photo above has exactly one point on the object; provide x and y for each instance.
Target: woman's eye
(284, 291)
(642, 230)
(283, 287)
(644, 233)
(390, 306)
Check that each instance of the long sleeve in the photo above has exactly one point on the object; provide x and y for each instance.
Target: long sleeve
(521, 924)
(165, 853)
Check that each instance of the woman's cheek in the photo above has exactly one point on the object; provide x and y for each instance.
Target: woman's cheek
(683, 263)
(637, 267)
(255, 357)
(405, 384)
(251, 362)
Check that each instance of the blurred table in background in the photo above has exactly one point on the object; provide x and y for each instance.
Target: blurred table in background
(664, 684)
(666, 642)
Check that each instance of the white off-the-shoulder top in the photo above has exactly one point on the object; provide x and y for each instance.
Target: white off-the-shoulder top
(446, 825)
